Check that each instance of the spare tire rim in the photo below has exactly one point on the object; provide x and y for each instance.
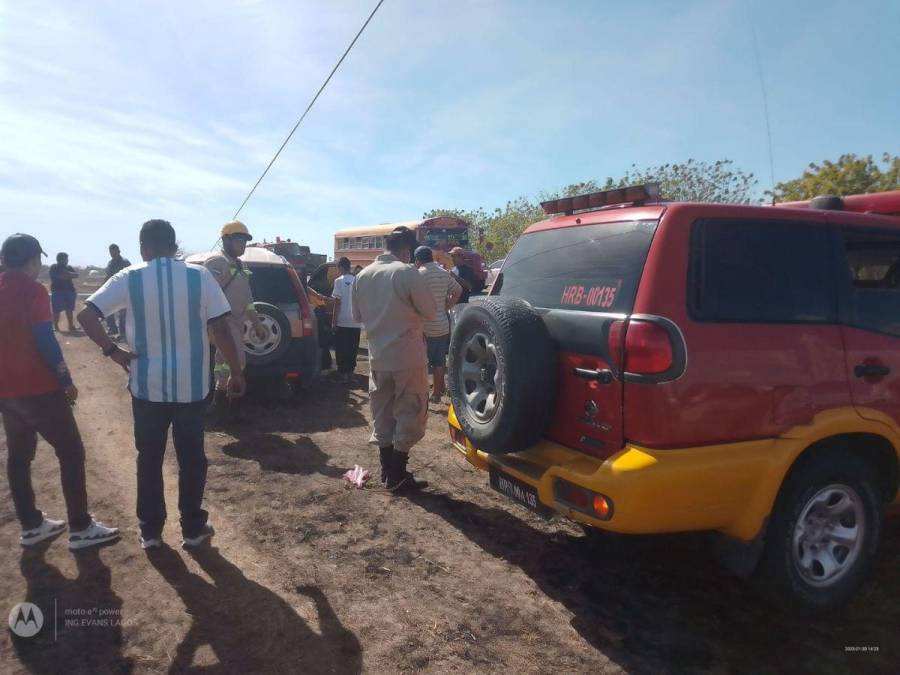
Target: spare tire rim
(480, 376)
(257, 346)
(828, 535)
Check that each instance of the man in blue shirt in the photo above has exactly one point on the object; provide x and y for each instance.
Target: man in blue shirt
(169, 305)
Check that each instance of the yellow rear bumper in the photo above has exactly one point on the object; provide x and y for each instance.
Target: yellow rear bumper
(730, 488)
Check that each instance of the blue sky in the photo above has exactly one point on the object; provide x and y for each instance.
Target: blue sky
(116, 112)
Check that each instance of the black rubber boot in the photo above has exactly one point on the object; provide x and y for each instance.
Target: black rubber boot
(401, 480)
(387, 455)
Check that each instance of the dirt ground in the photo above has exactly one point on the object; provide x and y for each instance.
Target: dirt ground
(308, 576)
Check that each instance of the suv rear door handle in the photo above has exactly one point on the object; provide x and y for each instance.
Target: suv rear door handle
(870, 370)
(601, 376)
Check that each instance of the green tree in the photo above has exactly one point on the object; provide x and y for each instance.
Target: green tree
(504, 226)
(849, 175)
(691, 181)
(695, 181)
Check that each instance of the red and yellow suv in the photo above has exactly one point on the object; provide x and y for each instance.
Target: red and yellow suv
(642, 366)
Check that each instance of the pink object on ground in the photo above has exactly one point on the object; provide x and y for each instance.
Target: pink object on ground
(357, 476)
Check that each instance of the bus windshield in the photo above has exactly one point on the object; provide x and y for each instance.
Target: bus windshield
(445, 238)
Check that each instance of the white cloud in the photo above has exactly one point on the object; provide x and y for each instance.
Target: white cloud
(116, 112)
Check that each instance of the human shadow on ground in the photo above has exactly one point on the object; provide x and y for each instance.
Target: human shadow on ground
(662, 604)
(82, 617)
(326, 406)
(249, 628)
(275, 453)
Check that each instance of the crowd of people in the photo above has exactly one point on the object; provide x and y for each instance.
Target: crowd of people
(165, 322)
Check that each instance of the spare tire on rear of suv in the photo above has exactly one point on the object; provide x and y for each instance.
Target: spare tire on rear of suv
(278, 336)
(502, 374)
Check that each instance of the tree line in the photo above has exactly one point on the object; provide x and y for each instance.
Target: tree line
(494, 232)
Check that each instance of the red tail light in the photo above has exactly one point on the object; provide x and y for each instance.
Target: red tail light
(581, 499)
(616, 343)
(307, 318)
(648, 348)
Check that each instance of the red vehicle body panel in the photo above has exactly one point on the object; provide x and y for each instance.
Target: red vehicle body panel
(886, 203)
(598, 432)
(871, 395)
(742, 381)
(607, 215)
(308, 325)
(589, 414)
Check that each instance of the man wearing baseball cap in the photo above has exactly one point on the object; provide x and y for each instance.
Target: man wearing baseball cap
(462, 273)
(392, 301)
(234, 279)
(36, 397)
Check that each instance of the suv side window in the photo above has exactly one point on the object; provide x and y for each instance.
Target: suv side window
(873, 258)
(762, 271)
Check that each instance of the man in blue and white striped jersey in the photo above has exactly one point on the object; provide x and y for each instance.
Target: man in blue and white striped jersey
(169, 305)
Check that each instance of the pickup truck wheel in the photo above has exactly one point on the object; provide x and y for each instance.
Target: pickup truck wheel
(824, 532)
(502, 374)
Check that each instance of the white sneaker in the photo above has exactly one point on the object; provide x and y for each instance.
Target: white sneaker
(94, 534)
(48, 529)
(207, 533)
(155, 542)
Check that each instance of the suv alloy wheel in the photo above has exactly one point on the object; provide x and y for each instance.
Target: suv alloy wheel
(824, 531)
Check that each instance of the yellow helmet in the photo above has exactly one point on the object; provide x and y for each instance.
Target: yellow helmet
(235, 228)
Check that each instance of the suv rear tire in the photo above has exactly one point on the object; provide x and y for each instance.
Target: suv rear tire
(263, 353)
(824, 532)
(502, 374)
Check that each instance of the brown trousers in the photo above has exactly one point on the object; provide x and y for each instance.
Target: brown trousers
(49, 415)
(399, 401)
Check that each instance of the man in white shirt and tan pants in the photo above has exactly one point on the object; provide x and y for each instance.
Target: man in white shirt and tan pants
(392, 301)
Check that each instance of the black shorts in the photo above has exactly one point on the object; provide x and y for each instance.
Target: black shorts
(437, 348)
(63, 301)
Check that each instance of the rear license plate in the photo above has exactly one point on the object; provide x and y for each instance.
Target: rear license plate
(520, 492)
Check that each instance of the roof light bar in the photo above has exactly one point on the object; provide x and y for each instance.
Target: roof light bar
(595, 200)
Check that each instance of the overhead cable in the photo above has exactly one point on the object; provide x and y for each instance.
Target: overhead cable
(308, 108)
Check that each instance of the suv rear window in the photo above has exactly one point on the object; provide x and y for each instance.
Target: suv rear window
(762, 271)
(272, 284)
(592, 268)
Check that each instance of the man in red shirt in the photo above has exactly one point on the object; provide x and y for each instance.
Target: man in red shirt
(36, 397)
